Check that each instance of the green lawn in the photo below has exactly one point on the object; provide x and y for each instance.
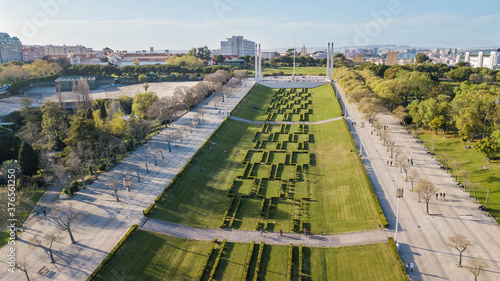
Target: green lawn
(485, 175)
(299, 70)
(313, 162)
(151, 256)
(257, 104)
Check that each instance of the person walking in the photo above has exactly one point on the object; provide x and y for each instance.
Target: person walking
(437, 196)
(261, 233)
(444, 194)
(281, 232)
(412, 265)
(387, 162)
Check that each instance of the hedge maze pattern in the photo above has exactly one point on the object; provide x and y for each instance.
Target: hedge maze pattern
(275, 169)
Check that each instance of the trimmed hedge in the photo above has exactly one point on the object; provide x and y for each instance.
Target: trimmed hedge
(247, 262)
(290, 263)
(214, 267)
(374, 196)
(301, 260)
(112, 253)
(257, 264)
(401, 266)
(205, 263)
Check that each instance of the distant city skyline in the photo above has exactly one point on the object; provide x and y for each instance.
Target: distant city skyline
(175, 25)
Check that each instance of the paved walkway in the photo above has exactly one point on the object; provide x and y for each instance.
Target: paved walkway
(285, 122)
(336, 240)
(104, 220)
(424, 238)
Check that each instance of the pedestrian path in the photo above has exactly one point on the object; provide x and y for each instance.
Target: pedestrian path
(244, 236)
(285, 122)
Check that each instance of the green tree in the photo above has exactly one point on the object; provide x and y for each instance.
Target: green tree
(460, 74)
(54, 124)
(203, 53)
(28, 159)
(81, 130)
(89, 114)
(142, 102)
(488, 146)
(102, 111)
(9, 144)
(142, 78)
(126, 104)
(219, 59)
(421, 58)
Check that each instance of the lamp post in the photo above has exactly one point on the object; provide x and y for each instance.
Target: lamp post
(361, 143)
(399, 195)
(126, 184)
(486, 202)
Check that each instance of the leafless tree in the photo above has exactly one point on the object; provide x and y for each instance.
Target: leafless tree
(109, 146)
(186, 96)
(455, 165)
(144, 159)
(460, 243)
(81, 90)
(396, 151)
(47, 244)
(60, 97)
(426, 190)
(64, 217)
(138, 129)
(77, 165)
(22, 265)
(152, 151)
(377, 127)
(412, 177)
(472, 186)
(390, 146)
(406, 167)
(202, 112)
(165, 109)
(171, 136)
(114, 184)
(476, 266)
(466, 175)
(137, 169)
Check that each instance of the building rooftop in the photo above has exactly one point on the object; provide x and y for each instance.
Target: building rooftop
(74, 78)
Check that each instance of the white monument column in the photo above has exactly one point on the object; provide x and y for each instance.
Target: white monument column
(260, 63)
(255, 62)
(327, 60)
(331, 63)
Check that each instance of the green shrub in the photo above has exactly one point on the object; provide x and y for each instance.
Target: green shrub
(401, 266)
(148, 210)
(214, 267)
(64, 191)
(301, 260)
(290, 263)
(205, 262)
(247, 262)
(257, 264)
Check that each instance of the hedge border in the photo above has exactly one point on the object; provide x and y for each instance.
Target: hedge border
(205, 263)
(112, 253)
(219, 255)
(401, 266)
(248, 260)
(251, 89)
(290, 262)
(257, 264)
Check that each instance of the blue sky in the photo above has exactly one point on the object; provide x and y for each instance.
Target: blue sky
(137, 25)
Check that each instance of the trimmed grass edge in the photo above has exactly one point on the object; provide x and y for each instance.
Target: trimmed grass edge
(112, 253)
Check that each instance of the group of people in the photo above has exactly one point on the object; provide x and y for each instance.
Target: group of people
(442, 195)
(410, 266)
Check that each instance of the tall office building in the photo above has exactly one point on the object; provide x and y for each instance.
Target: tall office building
(237, 46)
(10, 48)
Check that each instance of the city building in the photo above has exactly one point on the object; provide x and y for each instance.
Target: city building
(64, 50)
(33, 53)
(270, 55)
(319, 55)
(83, 58)
(392, 58)
(122, 58)
(238, 46)
(489, 58)
(407, 54)
(10, 48)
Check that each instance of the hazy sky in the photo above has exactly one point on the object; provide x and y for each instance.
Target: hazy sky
(137, 25)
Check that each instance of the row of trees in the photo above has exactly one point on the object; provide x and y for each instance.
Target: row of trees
(16, 71)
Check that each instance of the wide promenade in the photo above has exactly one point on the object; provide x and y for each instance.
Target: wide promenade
(424, 239)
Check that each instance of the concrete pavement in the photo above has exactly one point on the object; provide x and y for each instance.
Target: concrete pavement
(424, 239)
(104, 220)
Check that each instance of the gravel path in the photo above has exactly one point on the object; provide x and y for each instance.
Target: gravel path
(312, 240)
